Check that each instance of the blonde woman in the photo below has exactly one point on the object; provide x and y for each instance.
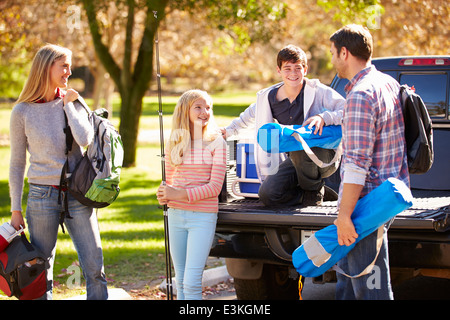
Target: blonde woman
(37, 123)
(195, 171)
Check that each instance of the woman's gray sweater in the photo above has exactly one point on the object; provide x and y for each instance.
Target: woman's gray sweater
(38, 128)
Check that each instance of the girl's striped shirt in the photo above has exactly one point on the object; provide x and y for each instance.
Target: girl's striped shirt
(202, 174)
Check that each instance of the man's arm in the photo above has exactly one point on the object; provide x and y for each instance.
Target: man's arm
(345, 228)
(359, 138)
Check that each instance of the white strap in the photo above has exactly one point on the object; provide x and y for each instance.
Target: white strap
(313, 157)
(369, 268)
(315, 251)
(15, 234)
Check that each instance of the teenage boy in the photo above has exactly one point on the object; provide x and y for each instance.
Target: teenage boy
(373, 150)
(296, 100)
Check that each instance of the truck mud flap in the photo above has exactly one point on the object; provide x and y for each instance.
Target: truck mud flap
(281, 243)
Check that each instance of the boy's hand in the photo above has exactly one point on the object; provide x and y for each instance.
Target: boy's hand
(223, 131)
(315, 121)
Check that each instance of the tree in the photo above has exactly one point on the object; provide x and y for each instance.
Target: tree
(352, 11)
(412, 27)
(246, 20)
(131, 82)
(201, 39)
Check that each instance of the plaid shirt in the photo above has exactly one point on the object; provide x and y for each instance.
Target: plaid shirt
(373, 131)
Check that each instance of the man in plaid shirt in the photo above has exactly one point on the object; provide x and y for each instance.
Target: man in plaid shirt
(374, 150)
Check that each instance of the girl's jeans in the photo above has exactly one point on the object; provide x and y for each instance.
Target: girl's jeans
(42, 215)
(191, 234)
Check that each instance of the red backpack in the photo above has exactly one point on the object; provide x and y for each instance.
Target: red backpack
(23, 270)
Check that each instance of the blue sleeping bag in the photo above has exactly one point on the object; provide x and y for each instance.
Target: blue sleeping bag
(322, 251)
(271, 134)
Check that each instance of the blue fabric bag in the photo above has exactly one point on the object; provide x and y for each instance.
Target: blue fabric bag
(322, 251)
(271, 134)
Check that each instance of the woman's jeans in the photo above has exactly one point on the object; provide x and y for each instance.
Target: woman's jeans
(43, 212)
(191, 234)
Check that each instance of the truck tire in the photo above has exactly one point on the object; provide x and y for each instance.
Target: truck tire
(274, 284)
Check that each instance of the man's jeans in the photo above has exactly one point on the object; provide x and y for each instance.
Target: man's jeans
(42, 215)
(296, 174)
(373, 286)
(191, 234)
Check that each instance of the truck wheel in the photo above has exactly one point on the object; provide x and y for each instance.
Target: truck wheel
(274, 284)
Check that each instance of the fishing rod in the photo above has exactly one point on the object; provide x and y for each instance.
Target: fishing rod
(163, 171)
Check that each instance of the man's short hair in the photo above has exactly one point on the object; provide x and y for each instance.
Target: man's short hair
(291, 53)
(356, 38)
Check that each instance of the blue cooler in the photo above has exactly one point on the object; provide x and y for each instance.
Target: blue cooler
(247, 176)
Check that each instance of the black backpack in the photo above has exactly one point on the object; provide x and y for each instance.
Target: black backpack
(418, 131)
(94, 181)
(23, 270)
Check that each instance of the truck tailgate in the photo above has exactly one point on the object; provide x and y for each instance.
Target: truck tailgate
(431, 210)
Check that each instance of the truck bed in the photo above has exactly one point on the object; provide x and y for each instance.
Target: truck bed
(430, 211)
(419, 237)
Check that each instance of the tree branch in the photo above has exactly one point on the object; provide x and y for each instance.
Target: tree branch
(126, 71)
(102, 51)
(144, 64)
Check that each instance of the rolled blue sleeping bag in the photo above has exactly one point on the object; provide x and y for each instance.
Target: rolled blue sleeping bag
(322, 251)
(271, 134)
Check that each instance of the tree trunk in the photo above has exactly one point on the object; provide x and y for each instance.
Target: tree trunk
(132, 83)
(103, 90)
(130, 112)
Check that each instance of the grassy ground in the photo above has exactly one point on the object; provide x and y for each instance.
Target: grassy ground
(132, 227)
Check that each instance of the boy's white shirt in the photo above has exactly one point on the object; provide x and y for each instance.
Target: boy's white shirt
(259, 113)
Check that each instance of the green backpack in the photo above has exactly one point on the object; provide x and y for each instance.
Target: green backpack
(95, 180)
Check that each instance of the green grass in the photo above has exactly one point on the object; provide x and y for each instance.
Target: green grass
(132, 228)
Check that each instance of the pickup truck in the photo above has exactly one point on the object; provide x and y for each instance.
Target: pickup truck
(257, 241)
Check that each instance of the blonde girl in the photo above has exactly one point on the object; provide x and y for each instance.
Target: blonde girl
(195, 171)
